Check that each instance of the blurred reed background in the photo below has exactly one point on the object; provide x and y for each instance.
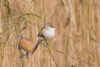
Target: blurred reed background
(77, 32)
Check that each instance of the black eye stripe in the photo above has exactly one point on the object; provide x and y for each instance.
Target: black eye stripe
(52, 26)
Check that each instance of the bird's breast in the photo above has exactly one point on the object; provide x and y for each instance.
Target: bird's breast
(25, 44)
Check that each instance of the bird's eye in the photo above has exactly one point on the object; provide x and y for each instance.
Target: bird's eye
(52, 26)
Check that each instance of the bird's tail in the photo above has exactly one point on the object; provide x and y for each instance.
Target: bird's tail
(39, 41)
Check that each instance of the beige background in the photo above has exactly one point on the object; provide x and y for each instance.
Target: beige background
(77, 24)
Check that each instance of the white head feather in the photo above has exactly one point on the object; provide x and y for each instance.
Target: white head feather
(48, 32)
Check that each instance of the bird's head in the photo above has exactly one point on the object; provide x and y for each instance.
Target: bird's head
(48, 31)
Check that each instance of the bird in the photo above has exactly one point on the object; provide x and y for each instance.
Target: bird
(47, 32)
(28, 47)
(27, 41)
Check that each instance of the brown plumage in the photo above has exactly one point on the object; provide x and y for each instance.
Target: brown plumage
(26, 44)
(39, 41)
(30, 45)
(28, 40)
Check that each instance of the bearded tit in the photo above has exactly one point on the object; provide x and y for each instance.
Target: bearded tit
(26, 43)
(47, 32)
(27, 46)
